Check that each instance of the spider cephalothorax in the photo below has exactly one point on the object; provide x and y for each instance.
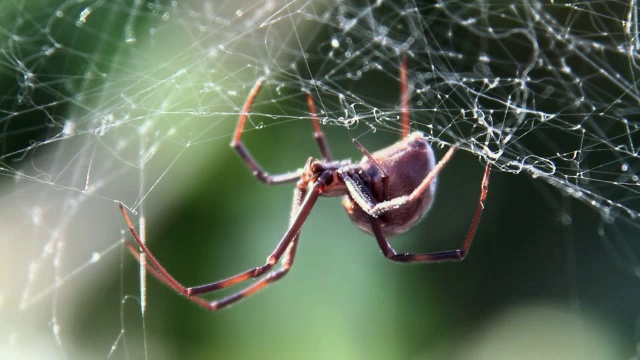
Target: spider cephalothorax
(315, 168)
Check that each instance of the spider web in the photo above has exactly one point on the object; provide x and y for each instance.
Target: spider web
(135, 101)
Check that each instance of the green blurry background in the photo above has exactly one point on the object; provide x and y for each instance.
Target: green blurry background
(539, 283)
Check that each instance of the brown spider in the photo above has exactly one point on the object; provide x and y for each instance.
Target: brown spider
(385, 194)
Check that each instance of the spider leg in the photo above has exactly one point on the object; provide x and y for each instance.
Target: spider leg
(253, 165)
(149, 267)
(193, 291)
(272, 277)
(163, 275)
(298, 197)
(285, 249)
(153, 271)
(287, 257)
(383, 175)
(318, 134)
(404, 97)
(244, 153)
(450, 255)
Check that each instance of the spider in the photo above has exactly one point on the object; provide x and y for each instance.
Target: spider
(385, 194)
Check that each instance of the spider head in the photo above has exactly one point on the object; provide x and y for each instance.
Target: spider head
(313, 169)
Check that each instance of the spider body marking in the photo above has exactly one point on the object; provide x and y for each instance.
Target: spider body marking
(385, 194)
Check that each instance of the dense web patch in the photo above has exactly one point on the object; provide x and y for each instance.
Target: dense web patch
(107, 101)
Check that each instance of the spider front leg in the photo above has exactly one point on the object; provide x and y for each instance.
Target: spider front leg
(253, 165)
(287, 261)
(237, 144)
(285, 251)
(450, 255)
(318, 134)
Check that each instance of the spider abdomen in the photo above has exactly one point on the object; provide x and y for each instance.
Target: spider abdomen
(406, 164)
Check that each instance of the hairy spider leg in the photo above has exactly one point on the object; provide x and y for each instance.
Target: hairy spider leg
(158, 275)
(285, 250)
(237, 144)
(450, 255)
(246, 156)
(318, 134)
